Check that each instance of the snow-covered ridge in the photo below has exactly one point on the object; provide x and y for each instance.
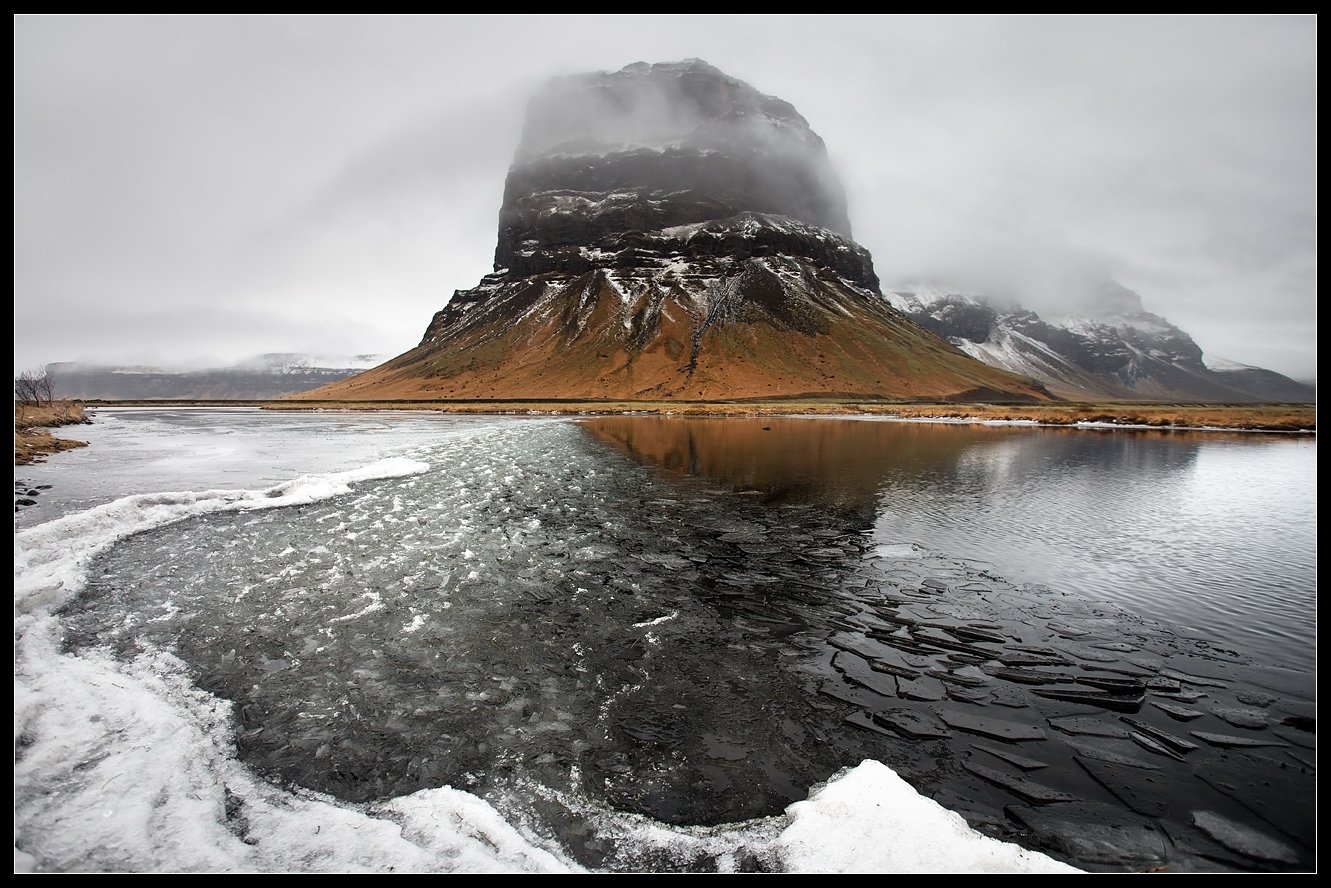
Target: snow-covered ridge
(1215, 362)
(272, 362)
(255, 378)
(1110, 348)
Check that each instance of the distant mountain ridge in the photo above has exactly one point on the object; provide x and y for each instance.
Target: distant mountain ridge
(1110, 348)
(272, 375)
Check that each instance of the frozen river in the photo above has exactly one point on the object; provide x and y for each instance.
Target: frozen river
(248, 640)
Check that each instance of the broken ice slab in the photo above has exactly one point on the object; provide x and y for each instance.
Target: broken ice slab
(1119, 646)
(1176, 743)
(1252, 719)
(1035, 793)
(926, 688)
(1306, 741)
(1243, 839)
(980, 633)
(1255, 698)
(969, 675)
(1088, 725)
(996, 728)
(1181, 696)
(857, 670)
(1194, 680)
(1130, 686)
(1140, 790)
(855, 643)
(1029, 676)
(1178, 713)
(898, 663)
(911, 723)
(1101, 699)
(1013, 697)
(1104, 754)
(1094, 832)
(1020, 658)
(1021, 761)
(963, 694)
(1150, 744)
(865, 720)
(939, 639)
(837, 689)
(1230, 741)
(1088, 654)
(1283, 796)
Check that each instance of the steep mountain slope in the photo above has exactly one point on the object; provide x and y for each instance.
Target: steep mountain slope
(1111, 348)
(669, 232)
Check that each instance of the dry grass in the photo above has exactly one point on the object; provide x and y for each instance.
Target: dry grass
(32, 441)
(1254, 417)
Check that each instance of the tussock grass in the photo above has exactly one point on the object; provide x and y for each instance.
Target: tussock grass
(32, 441)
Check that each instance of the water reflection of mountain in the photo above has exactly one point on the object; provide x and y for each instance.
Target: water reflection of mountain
(849, 465)
(828, 463)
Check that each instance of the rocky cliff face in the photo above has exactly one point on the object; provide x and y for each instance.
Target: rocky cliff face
(1111, 348)
(668, 231)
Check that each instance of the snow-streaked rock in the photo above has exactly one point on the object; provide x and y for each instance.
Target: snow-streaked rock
(1109, 347)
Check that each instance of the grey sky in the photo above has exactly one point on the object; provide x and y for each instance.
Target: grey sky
(204, 189)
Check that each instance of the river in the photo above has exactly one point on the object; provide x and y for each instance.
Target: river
(639, 640)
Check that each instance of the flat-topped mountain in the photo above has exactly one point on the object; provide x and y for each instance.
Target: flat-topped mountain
(669, 232)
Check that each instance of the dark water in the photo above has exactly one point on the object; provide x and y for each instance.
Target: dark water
(698, 619)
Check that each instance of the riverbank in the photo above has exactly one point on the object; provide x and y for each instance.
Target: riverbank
(1245, 417)
(33, 441)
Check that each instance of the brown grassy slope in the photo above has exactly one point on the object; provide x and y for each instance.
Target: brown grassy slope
(32, 441)
(1249, 417)
(590, 346)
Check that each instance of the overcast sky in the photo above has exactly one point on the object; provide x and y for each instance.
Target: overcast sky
(206, 189)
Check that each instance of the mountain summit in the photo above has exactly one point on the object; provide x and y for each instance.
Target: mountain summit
(669, 232)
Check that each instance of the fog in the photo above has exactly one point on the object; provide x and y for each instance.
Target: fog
(191, 189)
